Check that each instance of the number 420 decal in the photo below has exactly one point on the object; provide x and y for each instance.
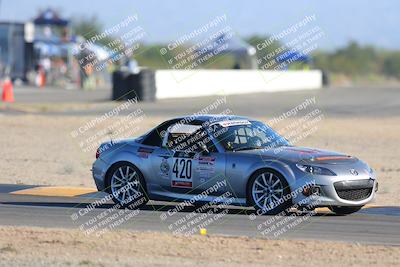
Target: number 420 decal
(182, 168)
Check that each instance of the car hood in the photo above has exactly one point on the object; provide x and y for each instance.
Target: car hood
(302, 154)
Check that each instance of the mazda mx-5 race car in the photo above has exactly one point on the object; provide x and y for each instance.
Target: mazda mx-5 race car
(208, 158)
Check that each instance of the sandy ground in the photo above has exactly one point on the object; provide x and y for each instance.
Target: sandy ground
(53, 247)
(39, 149)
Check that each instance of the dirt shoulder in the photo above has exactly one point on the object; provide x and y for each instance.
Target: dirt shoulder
(21, 246)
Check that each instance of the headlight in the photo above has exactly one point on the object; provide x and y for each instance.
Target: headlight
(315, 170)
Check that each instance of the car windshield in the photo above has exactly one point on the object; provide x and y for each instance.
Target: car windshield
(245, 135)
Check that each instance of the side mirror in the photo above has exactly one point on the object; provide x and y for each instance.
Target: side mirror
(204, 149)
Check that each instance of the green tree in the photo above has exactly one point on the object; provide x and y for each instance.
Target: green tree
(352, 60)
(391, 64)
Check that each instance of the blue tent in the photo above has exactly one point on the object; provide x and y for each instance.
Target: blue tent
(50, 17)
(293, 56)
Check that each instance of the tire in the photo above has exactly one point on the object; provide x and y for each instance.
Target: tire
(266, 187)
(126, 185)
(343, 210)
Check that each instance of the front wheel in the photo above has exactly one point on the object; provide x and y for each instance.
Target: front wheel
(268, 192)
(126, 185)
(343, 210)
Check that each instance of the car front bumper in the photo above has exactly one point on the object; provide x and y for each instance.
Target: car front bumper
(336, 191)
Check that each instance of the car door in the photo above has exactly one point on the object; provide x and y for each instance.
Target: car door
(193, 170)
(206, 163)
(173, 168)
(196, 172)
(209, 174)
(161, 162)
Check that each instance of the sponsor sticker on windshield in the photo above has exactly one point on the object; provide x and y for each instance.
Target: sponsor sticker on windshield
(233, 123)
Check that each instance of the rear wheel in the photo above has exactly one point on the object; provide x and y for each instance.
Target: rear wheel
(266, 189)
(126, 185)
(343, 210)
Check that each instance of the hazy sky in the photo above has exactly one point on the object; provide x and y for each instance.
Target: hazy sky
(369, 22)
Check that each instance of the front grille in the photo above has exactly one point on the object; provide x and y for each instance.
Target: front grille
(354, 189)
(354, 194)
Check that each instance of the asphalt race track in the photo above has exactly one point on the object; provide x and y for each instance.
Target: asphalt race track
(372, 225)
(335, 102)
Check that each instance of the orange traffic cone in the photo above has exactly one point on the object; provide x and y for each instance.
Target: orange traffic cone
(8, 95)
(42, 77)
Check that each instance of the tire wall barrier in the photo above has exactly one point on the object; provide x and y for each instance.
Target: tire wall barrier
(149, 85)
(131, 85)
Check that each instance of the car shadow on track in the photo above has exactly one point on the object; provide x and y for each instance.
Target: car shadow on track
(155, 207)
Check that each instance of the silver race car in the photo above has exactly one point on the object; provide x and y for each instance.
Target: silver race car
(208, 158)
